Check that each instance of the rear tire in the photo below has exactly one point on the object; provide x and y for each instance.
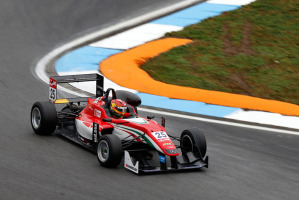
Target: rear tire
(43, 118)
(109, 151)
(193, 141)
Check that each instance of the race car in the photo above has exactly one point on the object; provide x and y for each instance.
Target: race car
(109, 125)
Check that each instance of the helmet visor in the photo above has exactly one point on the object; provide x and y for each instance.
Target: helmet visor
(121, 109)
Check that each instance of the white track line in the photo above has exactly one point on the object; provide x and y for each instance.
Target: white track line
(136, 36)
(40, 68)
(231, 2)
(220, 121)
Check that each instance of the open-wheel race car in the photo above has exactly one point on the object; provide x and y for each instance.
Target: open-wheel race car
(111, 130)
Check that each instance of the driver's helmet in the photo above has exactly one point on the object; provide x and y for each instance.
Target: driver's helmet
(118, 108)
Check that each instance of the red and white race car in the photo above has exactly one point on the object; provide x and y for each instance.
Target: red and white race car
(146, 146)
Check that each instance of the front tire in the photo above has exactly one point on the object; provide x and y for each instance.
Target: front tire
(109, 151)
(193, 141)
(43, 118)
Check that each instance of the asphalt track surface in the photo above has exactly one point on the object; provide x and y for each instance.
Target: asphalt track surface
(244, 163)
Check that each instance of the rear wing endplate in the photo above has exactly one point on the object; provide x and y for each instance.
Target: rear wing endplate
(54, 80)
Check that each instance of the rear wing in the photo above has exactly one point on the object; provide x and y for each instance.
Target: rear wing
(54, 80)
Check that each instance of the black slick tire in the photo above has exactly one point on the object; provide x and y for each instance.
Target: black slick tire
(109, 151)
(193, 141)
(43, 118)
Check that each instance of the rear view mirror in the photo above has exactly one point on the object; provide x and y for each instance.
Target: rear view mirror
(107, 119)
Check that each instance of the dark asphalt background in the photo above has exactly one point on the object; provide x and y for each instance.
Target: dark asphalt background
(244, 163)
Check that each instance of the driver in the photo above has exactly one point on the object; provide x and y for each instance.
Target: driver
(118, 109)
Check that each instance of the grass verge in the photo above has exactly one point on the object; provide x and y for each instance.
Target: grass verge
(251, 51)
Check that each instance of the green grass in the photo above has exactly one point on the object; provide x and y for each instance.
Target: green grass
(252, 51)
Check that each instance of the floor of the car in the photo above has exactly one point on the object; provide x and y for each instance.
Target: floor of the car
(73, 137)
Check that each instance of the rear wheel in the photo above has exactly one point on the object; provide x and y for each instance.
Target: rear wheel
(43, 118)
(193, 141)
(109, 151)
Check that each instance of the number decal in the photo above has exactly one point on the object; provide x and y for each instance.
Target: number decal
(52, 95)
(52, 90)
(160, 135)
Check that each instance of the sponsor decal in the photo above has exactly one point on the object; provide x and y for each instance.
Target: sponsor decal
(95, 132)
(95, 137)
(162, 159)
(96, 100)
(129, 164)
(171, 151)
(166, 144)
(131, 168)
(83, 140)
(53, 83)
(99, 101)
(164, 140)
(97, 113)
(170, 147)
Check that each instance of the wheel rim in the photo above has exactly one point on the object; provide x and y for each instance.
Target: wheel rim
(36, 118)
(103, 151)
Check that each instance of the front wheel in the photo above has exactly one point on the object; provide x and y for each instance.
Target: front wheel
(193, 141)
(109, 151)
(43, 118)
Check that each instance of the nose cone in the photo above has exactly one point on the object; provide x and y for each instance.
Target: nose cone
(164, 142)
(170, 149)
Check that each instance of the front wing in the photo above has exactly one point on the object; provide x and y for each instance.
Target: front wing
(138, 161)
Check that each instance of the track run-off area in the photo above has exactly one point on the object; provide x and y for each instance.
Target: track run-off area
(118, 57)
(245, 163)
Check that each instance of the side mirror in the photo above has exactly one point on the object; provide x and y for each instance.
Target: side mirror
(150, 117)
(106, 119)
(163, 122)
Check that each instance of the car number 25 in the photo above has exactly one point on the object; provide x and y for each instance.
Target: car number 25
(160, 135)
(52, 96)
